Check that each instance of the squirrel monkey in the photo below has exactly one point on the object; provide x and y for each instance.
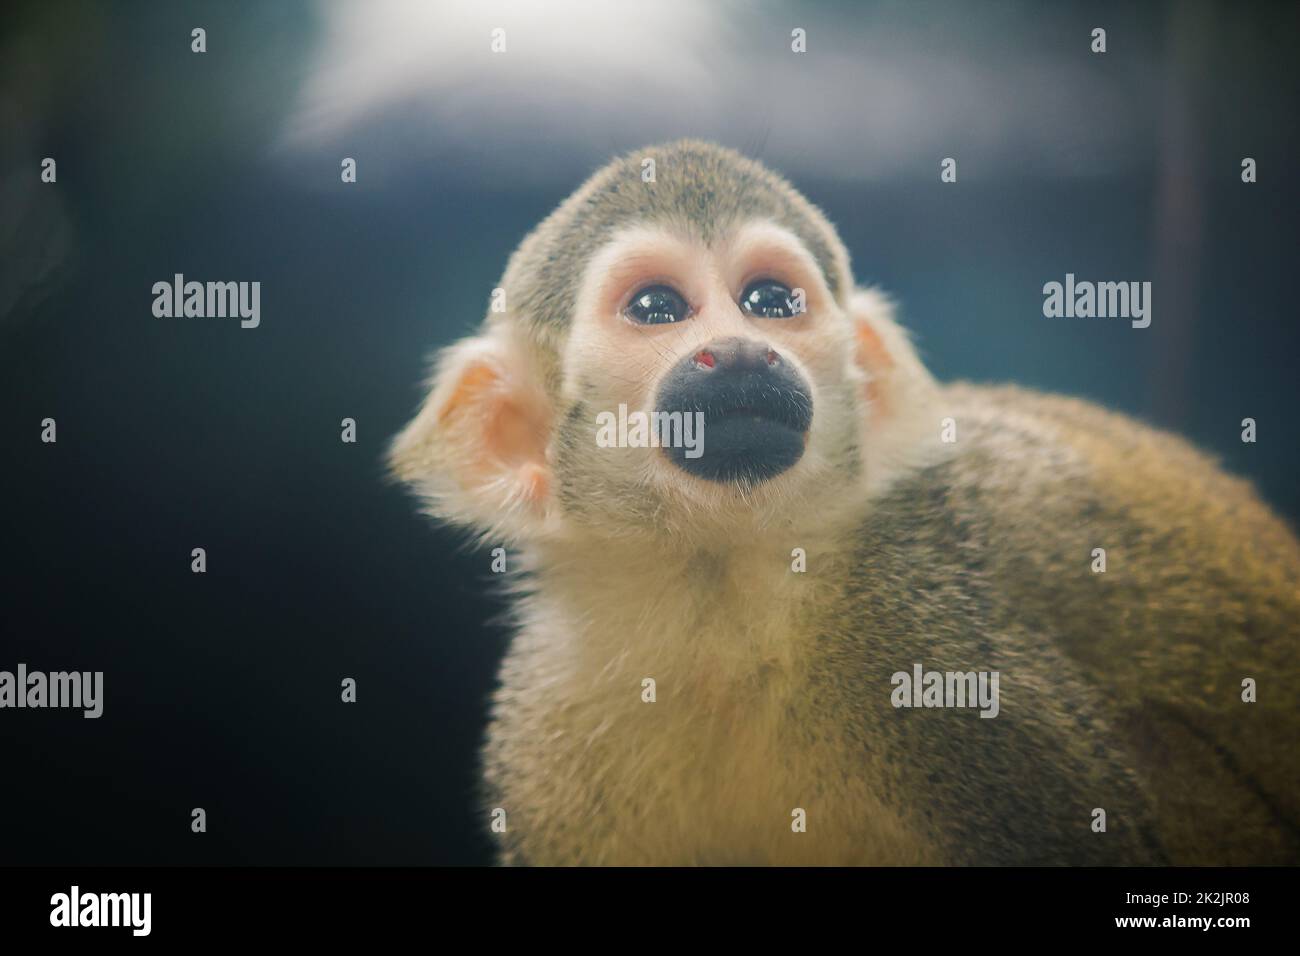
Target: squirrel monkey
(713, 638)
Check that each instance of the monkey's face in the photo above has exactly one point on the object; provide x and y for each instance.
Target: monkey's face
(723, 371)
(680, 358)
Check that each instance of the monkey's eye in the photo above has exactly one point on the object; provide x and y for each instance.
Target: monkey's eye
(769, 299)
(656, 305)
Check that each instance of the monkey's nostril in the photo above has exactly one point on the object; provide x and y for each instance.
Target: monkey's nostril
(772, 357)
(704, 359)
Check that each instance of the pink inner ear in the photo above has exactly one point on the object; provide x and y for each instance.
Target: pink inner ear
(873, 358)
(473, 384)
(534, 483)
(514, 433)
(503, 433)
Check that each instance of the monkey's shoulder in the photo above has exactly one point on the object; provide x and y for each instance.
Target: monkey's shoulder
(1046, 463)
(1062, 507)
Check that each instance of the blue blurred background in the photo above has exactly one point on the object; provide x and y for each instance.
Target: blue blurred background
(222, 690)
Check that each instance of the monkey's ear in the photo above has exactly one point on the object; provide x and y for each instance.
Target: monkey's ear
(900, 429)
(895, 378)
(476, 451)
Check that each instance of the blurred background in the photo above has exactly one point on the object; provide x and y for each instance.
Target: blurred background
(222, 689)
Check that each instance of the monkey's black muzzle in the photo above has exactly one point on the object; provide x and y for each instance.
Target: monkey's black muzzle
(756, 411)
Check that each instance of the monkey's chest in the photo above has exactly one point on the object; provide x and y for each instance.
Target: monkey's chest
(671, 765)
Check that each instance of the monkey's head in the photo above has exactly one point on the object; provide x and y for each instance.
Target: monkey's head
(678, 350)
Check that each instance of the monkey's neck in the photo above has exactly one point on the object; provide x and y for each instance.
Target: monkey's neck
(726, 607)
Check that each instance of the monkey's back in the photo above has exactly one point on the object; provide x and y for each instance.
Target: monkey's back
(1121, 689)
